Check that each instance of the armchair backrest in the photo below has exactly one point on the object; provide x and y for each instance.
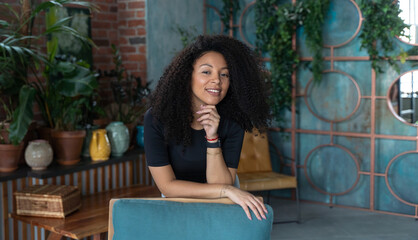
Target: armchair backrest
(255, 154)
(165, 219)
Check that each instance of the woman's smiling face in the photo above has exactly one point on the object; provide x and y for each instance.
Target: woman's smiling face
(210, 79)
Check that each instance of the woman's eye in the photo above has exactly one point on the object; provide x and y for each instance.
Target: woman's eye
(225, 75)
(206, 72)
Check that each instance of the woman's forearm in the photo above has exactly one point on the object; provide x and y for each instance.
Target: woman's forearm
(171, 187)
(216, 170)
(187, 189)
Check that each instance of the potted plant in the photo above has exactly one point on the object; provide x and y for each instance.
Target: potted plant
(18, 57)
(11, 132)
(130, 97)
(71, 84)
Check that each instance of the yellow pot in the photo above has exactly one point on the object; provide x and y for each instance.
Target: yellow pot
(99, 145)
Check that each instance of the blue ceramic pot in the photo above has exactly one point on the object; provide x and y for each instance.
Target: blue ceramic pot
(140, 136)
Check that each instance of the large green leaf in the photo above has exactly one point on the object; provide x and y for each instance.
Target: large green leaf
(76, 80)
(22, 116)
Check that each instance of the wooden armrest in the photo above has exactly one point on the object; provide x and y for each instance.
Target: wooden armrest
(198, 200)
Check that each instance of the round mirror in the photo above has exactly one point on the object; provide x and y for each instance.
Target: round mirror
(403, 98)
(409, 15)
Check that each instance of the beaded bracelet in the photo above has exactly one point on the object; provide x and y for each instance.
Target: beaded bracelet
(212, 139)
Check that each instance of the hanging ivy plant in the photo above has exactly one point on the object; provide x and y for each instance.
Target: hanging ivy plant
(313, 30)
(276, 26)
(382, 23)
(229, 8)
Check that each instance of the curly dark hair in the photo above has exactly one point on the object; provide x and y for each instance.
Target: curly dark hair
(245, 102)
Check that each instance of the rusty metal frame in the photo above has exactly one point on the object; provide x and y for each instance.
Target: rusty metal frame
(293, 130)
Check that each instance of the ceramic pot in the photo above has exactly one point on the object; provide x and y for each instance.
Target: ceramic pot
(119, 138)
(38, 154)
(99, 145)
(67, 146)
(10, 155)
(140, 136)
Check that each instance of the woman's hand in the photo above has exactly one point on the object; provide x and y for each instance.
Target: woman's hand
(246, 200)
(209, 119)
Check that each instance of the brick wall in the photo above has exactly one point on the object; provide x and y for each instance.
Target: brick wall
(119, 22)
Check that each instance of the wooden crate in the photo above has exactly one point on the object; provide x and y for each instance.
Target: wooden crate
(48, 201)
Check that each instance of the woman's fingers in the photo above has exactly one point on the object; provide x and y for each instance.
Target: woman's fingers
(260, 203)
(208, 116)
(247, 201)
(255, 211)
(255, 207)
(209, 119)
(247, 211)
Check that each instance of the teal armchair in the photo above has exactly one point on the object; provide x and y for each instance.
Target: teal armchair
(184, 218)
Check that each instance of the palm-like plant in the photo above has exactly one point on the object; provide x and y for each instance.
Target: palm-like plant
(18, 57)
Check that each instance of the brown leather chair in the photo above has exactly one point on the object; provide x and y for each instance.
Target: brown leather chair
(255, 172)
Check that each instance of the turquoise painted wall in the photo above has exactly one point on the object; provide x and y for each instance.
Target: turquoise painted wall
(163, 41)
(335, 131)
(334, 138)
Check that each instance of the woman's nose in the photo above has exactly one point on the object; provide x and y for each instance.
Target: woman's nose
(216, 79)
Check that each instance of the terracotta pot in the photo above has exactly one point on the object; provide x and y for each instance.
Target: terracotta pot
(67, 146)
(10, 155)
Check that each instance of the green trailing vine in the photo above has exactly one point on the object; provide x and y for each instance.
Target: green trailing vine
(187, 35)
(276, 25)
(312, 26)
(227, 12)
(382, 23)
(275, 28)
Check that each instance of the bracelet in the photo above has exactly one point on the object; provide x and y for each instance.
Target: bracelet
(212, 139)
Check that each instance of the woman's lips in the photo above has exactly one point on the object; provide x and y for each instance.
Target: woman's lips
(213, 91)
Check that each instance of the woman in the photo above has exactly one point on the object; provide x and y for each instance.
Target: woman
(207, 97)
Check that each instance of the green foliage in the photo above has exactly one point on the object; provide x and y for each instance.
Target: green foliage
(313, 30)
(71, 84)
(187, 35)
(276, 25)
(129, 93)
(18, 56)
(227, 12)
(382, 23)
(22, 115)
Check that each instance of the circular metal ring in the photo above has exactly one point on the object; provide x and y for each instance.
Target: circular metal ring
(387, 179)
(335, 120)
(389, 103)
(240, 24)
(355, 33)
(319, 189)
